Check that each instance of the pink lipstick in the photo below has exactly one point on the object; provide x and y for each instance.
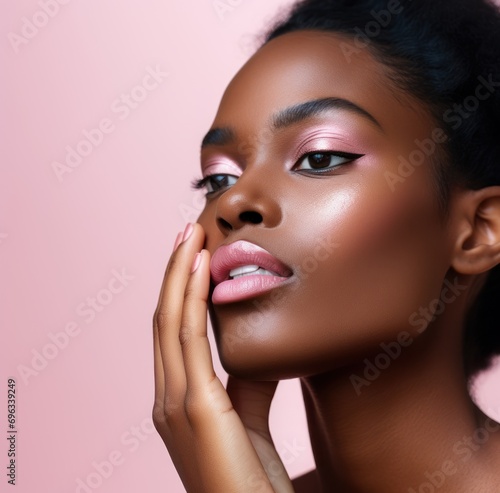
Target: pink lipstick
(242, 270)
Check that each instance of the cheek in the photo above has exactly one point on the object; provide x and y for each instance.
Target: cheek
(362, 266)
(388, 260)
(365, 258)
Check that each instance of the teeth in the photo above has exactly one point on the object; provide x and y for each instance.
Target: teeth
(246, 270)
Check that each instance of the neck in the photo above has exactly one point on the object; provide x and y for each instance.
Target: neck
(393, 429)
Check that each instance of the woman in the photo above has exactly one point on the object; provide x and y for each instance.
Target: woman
(350, 238)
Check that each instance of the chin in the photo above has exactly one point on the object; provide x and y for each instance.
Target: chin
(251, 360)
(248, 362)
(246, 365)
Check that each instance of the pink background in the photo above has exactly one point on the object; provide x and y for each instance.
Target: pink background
(117, 211)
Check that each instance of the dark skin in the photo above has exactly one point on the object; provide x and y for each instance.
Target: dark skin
(381, 255)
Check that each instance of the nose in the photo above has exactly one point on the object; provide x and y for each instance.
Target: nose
(253, 200)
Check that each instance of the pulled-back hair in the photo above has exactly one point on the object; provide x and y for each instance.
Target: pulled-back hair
(446, 53)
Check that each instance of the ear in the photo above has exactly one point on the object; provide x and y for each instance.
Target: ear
(477, 246)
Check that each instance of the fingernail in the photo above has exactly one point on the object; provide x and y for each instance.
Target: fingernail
(188, 231)
(177, 241)
(196, 262)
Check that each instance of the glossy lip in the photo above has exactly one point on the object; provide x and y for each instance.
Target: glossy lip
(239, 253)
(236, 254)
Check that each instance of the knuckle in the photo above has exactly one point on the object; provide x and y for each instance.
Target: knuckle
(166, 413)
(171, 408)
(194, 408)
(201, 405)
(155, 319)
(160, 319)
(158, 417)
(184, 335)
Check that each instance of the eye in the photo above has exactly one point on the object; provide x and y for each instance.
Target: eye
(316, 162)
(319, 161)
(213, 183)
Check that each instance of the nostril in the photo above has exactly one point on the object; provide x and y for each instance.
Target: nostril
(245, 217)
(223, 223)
(251, 216)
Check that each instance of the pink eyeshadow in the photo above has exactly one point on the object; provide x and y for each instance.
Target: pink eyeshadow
(222, 166)
(327, 138)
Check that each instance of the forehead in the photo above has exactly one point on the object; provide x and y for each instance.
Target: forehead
(307, 65)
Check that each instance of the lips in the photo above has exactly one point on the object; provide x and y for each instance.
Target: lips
(239, 253)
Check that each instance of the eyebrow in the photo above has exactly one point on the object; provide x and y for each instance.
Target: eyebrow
(291, 115)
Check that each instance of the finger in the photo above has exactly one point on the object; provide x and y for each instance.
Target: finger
(193, 333)
(159, 378)
(178, 240)
(206, 397)
(168, 320)
(158, 412)
(219, 432)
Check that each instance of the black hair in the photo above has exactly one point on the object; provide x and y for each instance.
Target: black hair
(446, 53)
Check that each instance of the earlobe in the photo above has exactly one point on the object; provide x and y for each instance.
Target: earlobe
(477, 247)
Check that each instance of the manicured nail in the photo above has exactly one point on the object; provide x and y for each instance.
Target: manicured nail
(188, 231)
(177, 241)
(196, 262)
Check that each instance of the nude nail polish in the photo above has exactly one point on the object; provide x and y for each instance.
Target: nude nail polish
(196, 262)
(178, 240)
(188, 231)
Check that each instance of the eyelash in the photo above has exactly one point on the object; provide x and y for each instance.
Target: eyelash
(200, 183)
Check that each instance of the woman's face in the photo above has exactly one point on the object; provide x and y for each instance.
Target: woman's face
(365, 244)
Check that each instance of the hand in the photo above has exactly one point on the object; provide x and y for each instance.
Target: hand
(218, 443)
